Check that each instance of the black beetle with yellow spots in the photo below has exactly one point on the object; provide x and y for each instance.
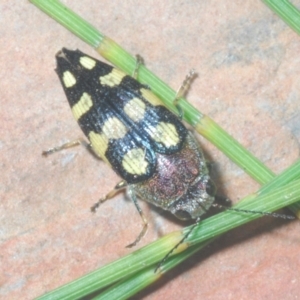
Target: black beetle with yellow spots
(128, 127)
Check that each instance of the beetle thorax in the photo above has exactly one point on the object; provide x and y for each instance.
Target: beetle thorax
(181, 183)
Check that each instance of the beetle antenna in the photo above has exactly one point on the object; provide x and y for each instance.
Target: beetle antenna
(227, 206)
(176, 246)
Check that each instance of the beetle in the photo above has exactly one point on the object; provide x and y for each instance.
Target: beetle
(128, 127)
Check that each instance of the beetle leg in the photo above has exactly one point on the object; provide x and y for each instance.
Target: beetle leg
(182, 90)
(121, 185)
(145, 225)
(65, 146)
(71, 144)
(138, 63)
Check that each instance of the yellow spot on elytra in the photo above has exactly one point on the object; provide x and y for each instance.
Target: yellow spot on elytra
(135, 109)
(150, 97)
(165, 133)
(114, 78)
(99, 143)
(113, 128)
(134, 161)
(87, 62)
(68, 79)
(82, 106)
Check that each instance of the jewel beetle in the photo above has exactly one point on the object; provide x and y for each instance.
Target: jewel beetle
(128, 127)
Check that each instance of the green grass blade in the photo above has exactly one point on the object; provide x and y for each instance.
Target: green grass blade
(73, 22)
(286, 11)
(234, 150)
(134, 284)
